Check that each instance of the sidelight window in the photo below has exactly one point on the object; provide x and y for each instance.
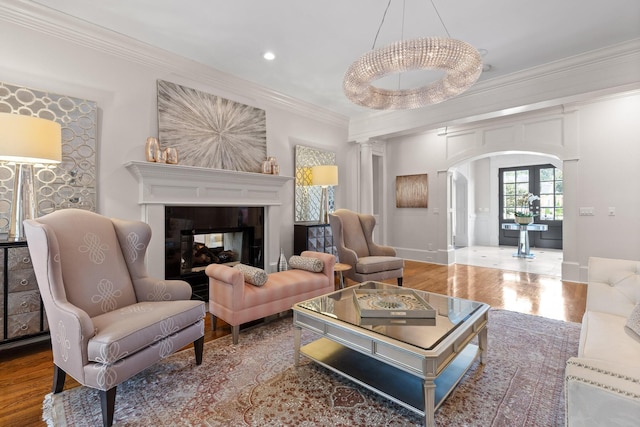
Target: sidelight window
(551, 197)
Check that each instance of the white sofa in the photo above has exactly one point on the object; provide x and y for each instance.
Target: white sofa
(602, 383)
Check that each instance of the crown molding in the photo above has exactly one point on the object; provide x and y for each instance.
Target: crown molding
(44, 20)
(591, 75)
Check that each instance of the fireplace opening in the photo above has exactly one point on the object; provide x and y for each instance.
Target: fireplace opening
(196, 236)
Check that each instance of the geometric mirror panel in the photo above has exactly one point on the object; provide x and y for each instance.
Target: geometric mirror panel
(308, 198)
(71, 183)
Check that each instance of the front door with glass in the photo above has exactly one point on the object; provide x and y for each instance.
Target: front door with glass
(537, 190)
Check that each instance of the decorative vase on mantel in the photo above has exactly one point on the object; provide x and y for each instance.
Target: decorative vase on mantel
(524, 220)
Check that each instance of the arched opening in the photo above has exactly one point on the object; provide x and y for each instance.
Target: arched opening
(477, 211)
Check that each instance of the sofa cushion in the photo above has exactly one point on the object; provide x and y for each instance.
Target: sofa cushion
(627, 283)
(633, 322)
(603, 336)
(283, 285)
(252, 275)
(306, 263)
(376, 264)
(124, 331)
(613, 285)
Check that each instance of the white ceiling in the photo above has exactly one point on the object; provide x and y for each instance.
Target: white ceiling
(315, 41)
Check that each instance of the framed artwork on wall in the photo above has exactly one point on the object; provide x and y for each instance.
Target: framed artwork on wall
(211, 131)
(412, 191)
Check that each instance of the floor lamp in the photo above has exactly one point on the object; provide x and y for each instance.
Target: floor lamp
(324, 176)
(26, 141)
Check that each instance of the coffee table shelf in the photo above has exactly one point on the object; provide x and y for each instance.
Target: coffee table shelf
(393, 383)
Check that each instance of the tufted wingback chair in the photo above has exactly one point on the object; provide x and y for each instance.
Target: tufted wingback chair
(353, 237)
(108, 320)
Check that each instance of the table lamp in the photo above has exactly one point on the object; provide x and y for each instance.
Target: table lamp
(26, 141)
(324, 176)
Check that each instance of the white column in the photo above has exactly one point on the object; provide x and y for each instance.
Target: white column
(366, 177)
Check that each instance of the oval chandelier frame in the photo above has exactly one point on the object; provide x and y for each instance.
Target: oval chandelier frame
(460, 61)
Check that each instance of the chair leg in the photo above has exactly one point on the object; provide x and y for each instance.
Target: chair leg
(108, 404)
(235, 333)
(214, 320)
(399, 281)
(198, 346)
(59, 376)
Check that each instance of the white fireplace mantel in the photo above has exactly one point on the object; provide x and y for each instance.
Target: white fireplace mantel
(165, 184)
(178, 185)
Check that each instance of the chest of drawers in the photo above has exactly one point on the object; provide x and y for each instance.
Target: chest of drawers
(22, 316)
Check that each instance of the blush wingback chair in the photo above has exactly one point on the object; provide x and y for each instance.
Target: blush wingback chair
(108, 320)
(353, 237)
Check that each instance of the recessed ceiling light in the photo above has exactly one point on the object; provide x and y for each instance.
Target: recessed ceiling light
(269, 56)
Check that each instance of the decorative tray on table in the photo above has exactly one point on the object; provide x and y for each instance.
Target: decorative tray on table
(392, 303)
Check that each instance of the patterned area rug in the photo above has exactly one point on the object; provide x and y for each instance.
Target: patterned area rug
(255, 384)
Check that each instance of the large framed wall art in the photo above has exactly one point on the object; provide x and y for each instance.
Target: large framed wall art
(412, 191)
(71, 183)
(211, 131)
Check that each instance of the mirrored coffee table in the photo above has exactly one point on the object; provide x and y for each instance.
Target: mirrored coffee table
(413, 361)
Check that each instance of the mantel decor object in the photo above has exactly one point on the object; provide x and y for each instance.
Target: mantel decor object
(154, 153)
(151, 149)
(171, 155)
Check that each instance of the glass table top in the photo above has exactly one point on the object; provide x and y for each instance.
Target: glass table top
(423, 332)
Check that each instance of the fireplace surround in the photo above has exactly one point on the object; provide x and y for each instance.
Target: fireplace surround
(162, 186)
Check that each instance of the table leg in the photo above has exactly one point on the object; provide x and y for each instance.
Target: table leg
(297, 332)
(523, 244)
(429, 392)
(523, 247)
(482, 343)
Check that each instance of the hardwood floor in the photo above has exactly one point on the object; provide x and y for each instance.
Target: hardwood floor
(26, 373)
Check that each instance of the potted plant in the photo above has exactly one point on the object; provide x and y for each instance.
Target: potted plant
(524, 213)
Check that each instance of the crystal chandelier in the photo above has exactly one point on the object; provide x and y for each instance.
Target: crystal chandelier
(461, 63)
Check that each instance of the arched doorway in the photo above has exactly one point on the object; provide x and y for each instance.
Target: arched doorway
(476, 219)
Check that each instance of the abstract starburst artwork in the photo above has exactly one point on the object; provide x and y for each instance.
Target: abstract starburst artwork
(211, 131)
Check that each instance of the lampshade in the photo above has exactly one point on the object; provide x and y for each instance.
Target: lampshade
(324, 175)
(26, 139)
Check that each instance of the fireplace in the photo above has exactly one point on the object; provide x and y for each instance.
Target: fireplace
(196, 236)
(164, 188)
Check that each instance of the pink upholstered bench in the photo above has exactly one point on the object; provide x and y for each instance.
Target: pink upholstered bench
(237, 302)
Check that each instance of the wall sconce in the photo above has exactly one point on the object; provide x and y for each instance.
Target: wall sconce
(26, 141)
(324, 176)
